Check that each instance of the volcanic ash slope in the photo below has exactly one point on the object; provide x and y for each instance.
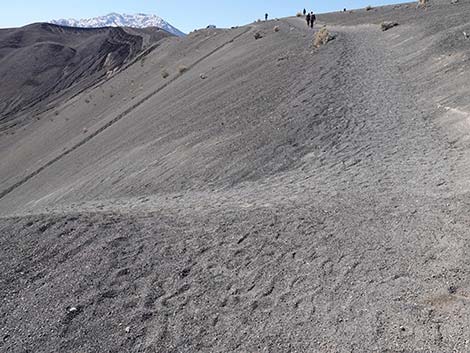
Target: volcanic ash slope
(231, 194)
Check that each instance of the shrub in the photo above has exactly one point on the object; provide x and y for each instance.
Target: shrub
(368, 8)
(422, 3)
(258, 35)
(182, 69)
(165, 73)
(387, 25)
(276, 29)
(322, 37)
(299, 14)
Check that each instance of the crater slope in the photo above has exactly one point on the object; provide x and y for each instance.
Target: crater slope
(227, 194)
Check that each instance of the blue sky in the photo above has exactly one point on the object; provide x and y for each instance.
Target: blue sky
(184, 14)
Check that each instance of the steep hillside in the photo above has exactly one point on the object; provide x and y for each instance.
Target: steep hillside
(230, 194)
(41, 60)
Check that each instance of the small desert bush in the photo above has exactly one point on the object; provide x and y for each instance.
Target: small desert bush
(386, 25)
(276, 29)
(299, 14)
(322, 37)
(368, 8)
(182, 69)
(165, 73)
(258, 35)
(422, 3)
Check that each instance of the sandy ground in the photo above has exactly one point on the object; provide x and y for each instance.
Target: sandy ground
(291, 200)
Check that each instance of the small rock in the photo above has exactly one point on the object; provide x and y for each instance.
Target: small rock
(202, 76)
(73, 309)
(452, 289)
(258, 35)
(128, 329)
(402, 328)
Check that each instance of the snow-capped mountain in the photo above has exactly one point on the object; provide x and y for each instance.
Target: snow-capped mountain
(121, 20)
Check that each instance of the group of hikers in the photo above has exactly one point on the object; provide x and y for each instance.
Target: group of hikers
(310, 17)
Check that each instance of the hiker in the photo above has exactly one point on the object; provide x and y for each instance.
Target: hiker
(313, 18)
(308, 20)
(266, 17)
(305, 12)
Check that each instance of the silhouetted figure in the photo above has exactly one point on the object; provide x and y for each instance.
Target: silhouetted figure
(266, 17)
(313, 18)
(308, 20)
(305, 12)
(344, 10)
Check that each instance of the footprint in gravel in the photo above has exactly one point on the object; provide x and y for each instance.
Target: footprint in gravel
(110, 294)
(183, 289)
(117, 242)
(305, 307)
(123, 272)
(153, 295)
(263, 304)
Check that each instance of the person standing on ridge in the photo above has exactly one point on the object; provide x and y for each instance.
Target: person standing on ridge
(266, 17)
(308, 20)
(305, 12)
(313, 18)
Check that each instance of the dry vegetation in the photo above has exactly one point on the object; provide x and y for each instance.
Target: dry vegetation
(386, 25)
(322, 37)
(165, 73)
(182, 69)
(368, 8)
(422, 3)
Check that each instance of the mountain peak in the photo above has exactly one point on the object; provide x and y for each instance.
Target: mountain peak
(115, 19)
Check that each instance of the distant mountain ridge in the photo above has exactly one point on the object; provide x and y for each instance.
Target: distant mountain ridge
(121, 20)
